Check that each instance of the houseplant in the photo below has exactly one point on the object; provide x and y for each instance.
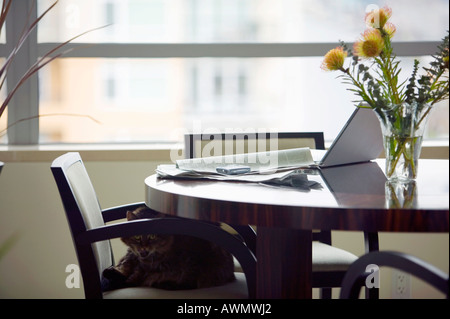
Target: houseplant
(41, 61)
(402, 107)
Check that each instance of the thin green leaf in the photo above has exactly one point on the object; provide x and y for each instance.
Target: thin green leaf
(4, 13)
(8, 244)
(22, 38)
(47, 58)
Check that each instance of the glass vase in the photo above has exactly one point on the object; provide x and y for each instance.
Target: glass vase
(403, 126)
(400, 194)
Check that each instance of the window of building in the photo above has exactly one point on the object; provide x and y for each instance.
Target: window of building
(162, 68)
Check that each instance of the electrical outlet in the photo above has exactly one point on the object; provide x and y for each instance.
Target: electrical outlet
(401, 285)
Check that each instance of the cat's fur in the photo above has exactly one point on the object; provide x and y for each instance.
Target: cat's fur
(169, 261)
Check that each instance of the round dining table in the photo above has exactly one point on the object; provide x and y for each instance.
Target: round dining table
(352, 197)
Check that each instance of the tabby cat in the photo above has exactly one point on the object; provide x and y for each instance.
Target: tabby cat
(169, 261)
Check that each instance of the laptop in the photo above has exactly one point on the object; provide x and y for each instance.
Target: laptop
(363, 178)
(360, 140)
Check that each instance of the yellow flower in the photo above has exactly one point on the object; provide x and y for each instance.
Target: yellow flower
(377, 18)
(390, 29)
(371, 45)
(334, 59)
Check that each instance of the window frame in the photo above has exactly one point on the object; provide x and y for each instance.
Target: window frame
(25, 104)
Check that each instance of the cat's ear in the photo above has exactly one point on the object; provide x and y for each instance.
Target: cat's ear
(131, 215)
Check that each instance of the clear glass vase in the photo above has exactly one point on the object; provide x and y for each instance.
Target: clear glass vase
(403, 126)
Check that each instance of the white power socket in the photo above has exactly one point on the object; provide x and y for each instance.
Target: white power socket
(401, 285)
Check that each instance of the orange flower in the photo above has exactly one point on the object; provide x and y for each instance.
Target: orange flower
(334, 59)
(377, 18)
(390, 29)
(371, 45)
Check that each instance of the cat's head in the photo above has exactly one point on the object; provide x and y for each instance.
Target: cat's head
(144, 246)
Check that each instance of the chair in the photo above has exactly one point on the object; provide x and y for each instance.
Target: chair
(91, 237)
(356, 275)
(329, 263)
(194, 143)
(1, 166)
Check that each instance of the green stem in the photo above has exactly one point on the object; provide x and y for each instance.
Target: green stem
(424, 116)
(387, 71)
(396, 157)
(399, 151)
(362, 91)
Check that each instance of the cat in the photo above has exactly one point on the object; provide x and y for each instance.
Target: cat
(171, 262)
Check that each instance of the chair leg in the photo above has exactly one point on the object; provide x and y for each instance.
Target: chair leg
(373, 293)
(325, 293)
(371, 241)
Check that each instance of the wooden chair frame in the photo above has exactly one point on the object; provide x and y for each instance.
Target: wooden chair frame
(356, 275)
(83, 236)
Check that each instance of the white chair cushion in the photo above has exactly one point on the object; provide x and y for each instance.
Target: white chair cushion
(330, 258)
(324, 258)
(87, 200)
(234, 290)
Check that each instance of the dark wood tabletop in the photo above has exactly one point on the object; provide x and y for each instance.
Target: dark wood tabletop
(352, 197)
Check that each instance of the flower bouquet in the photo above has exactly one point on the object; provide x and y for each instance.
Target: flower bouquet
(402, 107)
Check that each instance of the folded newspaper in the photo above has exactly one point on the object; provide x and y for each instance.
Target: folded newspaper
(265, 166)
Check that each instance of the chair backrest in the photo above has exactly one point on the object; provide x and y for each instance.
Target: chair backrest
(238, 143)
(356, 275)
(83, 212)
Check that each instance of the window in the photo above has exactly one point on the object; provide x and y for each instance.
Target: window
(163, 67)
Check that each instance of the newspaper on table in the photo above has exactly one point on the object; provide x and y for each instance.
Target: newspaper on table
(265, 166)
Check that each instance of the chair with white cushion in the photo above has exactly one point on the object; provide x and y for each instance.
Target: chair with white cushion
(91, 237)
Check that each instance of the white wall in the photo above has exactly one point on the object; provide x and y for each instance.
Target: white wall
(30, 205)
